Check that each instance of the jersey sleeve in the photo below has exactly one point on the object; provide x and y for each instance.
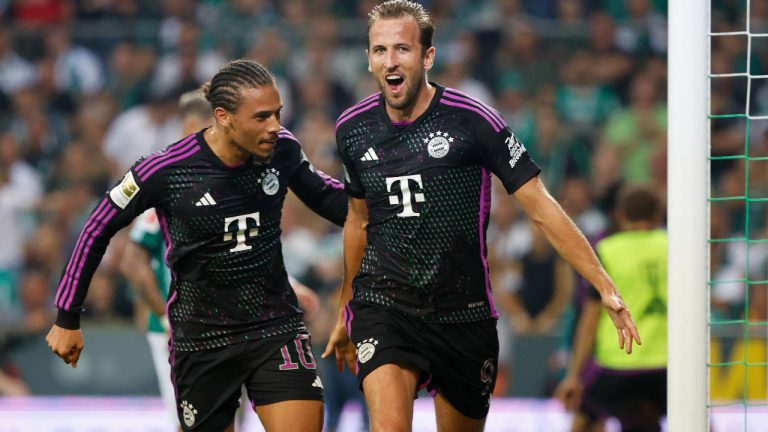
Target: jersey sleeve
(500, 151)
(115, 210)
(352, 183)
(320, 192)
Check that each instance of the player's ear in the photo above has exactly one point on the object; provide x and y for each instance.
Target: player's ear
(429, 58)
(222, 116)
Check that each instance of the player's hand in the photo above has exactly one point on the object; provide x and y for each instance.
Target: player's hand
(622, 319)
(67, 344)
(340, 344)
(569, 392)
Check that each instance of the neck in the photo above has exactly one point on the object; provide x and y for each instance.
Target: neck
(417, 108)
(223, 148)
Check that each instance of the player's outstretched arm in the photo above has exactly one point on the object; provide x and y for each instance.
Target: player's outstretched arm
(67, 344)
(570, 243)
(355, 240)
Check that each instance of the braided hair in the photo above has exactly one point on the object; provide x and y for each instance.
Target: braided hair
(223, 90)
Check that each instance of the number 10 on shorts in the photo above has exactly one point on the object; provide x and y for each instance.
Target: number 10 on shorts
(303, 351)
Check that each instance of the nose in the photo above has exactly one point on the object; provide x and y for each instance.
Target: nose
(390, 60)
(274, 124)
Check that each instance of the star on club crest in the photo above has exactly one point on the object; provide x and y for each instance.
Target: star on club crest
(366, 349)
(189, 413)
(438, 144)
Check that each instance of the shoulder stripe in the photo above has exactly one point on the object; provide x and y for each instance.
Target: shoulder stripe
(285, 133)
(360, 103)
(167, 162)
(92, 228)
(140, 171)
(495, 125)
(458, 96)
(355, 113)
(95, 234)
(170, 148)
(65, 279)
(330, 181)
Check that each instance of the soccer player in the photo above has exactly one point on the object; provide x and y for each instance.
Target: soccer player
(418, 161)
(233, 316)
(634, 390)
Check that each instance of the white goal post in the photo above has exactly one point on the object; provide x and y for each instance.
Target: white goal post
(688, 215)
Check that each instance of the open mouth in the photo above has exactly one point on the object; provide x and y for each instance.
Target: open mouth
(394, 82)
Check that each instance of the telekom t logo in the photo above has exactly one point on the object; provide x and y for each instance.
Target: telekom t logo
(405, 189)
(242, 232)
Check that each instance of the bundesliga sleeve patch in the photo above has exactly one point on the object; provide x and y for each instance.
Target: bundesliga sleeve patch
(123, 193)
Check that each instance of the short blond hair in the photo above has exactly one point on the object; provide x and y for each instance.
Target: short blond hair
(391, 9)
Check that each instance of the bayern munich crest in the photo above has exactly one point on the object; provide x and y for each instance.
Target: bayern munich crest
(438, 144)
(366, 349)
(189, 413)
(270, 183)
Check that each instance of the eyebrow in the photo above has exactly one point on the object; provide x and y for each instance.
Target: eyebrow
(266, 113)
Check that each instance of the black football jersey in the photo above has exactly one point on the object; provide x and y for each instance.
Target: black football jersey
(427, 185)
(221, 226)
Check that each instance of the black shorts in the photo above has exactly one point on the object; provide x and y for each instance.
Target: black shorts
(457, 360)
(621, 394)
(207, 383)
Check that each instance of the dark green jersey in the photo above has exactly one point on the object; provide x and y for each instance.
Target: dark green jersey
(221, 227)
(427, 185)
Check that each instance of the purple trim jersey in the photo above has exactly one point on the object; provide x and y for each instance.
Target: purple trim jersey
(427, 185)
(221, 226)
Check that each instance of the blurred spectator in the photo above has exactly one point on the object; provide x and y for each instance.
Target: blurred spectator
(15, 71)
(582, 101)
(130, 69)
(186, 66)
(643, 30)
(515, 108)
(35, 299)
(537, 304)
(175, 15)
(457, 68)
(77, 69)
(612, 66)
(551, 147)
(158, 124)
(236, 23)
(522, 51)
(39, 131)
(20, 190)
(578, 201)
(636, 130)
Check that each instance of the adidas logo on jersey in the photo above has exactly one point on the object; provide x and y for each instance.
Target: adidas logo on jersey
(369, 155)
(206, 200)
